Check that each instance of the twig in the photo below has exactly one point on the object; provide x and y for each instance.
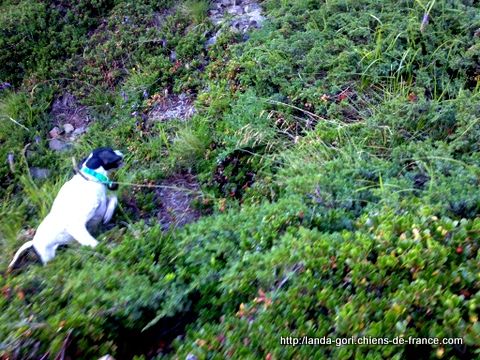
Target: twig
(24, 156)
(66, 342)
(11, 161)
(16, 122)
(297, 267)
(45, 356)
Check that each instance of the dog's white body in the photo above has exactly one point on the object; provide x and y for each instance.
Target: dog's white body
(81, 205)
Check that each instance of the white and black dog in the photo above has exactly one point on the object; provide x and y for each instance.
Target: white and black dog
(81, 204)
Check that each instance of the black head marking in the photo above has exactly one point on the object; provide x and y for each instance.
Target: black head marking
(104, 157)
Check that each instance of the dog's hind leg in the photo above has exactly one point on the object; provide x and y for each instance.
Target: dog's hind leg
(19, 252)
(111, 205)
(46, 253)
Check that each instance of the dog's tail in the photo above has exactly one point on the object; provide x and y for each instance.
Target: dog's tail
(19, 252)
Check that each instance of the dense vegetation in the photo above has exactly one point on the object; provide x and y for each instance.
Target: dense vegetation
(337, 151)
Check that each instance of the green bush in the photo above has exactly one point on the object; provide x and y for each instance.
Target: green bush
(35, 36)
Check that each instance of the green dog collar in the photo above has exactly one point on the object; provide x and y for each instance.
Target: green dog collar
(100, 177)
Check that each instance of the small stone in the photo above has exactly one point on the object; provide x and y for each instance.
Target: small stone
(39, 173)
(68, 128)
(5, 85)
(252, 7)
(57, 145)
(212, 41)
(256, 16)
(191, 357)
(235, 10)
(55, 132)
(79, 131)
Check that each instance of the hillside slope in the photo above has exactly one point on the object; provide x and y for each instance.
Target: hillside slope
(307, 168)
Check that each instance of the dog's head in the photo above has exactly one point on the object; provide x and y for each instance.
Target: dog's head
(105, 158)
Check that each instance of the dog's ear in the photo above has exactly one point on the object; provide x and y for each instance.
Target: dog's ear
(94, 163)
(109, 159)
(104, 157)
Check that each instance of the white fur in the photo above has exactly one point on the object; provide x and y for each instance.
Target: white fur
(80, 204)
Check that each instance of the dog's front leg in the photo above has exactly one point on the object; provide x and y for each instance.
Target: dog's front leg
(111, 205)
(80, 233)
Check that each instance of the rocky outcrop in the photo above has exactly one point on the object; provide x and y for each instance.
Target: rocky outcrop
(242, 15)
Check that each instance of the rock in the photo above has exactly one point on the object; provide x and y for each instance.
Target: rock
(191, 357)
(235, 10)
(5, 86)
(79, 131)
(211, 41)
(235, 25)
(245, 15)
(252, 8)
(55, 132)
(256, 15)
(39, 173)
(58, 145)
(217, 21)
(68, 128)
